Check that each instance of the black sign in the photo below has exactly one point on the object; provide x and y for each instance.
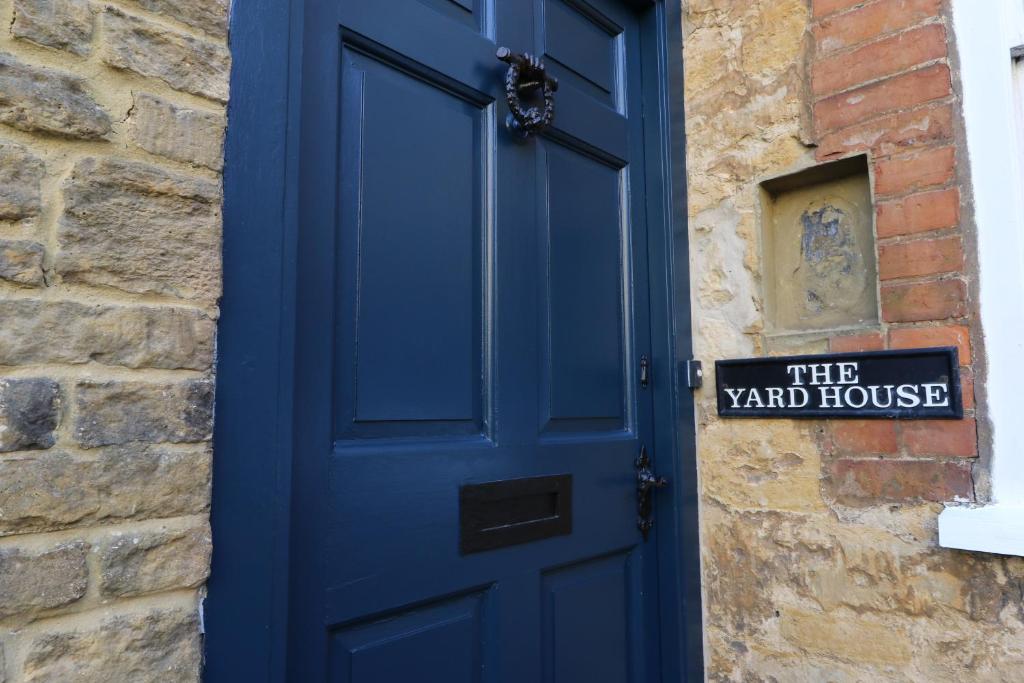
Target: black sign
(912, 384)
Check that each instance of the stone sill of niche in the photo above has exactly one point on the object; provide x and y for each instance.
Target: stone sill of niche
(996, 528)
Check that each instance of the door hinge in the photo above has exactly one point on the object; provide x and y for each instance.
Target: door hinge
(645, 371)
(693, 373)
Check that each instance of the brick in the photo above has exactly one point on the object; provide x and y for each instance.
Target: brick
(29, 413)
(136, 563)
(868, 482)
(35, 99)
(179, 133)
(920, 258)
(899, 92)
(21, 263)
(894, 133)
(114, 413)
(140, 229)
(923, 170)
(877, 60)
(872, 21)
(20, 176)
(967, 388)
(55, 491)
(864, 437)
(159, 645)
(871, 341)
(821, 8)
(917, 213)
(32, 580)
(928, 337)
(210, 16)
(61, 24)
(943, 438)
(185, 63)
(131, 336)
(924, 301)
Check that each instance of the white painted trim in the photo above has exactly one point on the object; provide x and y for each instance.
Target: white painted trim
(989, 529)
(985, 33)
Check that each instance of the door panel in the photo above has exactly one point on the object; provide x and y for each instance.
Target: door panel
(584, 49)
(468, 12)
(585, 260)
(472, 310)
(409, 268)
(587, 622)
(443, 642)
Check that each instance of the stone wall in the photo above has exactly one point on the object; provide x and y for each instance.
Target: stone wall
(820, 538)
(111, 128)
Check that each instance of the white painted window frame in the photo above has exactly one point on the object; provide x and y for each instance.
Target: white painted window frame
(993, 105)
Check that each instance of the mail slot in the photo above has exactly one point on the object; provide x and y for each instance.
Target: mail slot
(498, 514)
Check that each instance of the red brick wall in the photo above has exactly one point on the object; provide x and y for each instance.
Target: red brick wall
(880, 82)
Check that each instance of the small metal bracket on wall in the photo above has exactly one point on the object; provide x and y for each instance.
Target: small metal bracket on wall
(693, 373)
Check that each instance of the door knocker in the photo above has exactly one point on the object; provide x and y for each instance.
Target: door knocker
(526, 75)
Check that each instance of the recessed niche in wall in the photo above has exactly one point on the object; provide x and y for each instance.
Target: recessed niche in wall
(819, 248)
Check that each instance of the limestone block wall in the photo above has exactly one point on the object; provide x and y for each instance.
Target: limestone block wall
(819, 543)
(112, 118)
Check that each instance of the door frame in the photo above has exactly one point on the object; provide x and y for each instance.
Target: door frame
(246, 609)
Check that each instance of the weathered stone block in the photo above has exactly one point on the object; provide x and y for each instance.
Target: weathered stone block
(112, 413)
(853, 638)
(62, 24)
(200, 67)
(210, 16)
(819, 251)
(135, 337)
(146, 562)
(56, 491)
(37, 99)
(29, 413)
(20, 175)
(159, 646)
(21, 262)
(188, 135)
(141, 229)
(31, 581)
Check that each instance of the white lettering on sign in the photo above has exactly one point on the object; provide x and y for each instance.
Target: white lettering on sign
(836, 385)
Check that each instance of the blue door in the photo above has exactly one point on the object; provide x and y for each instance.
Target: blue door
(472, 384)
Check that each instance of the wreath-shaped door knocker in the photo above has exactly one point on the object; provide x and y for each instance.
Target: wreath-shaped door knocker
(526, 75)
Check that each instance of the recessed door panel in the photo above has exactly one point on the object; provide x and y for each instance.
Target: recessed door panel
(585, 306)
(467, 12)
(587, 622)
(584, 48)
(441, 642)
(410, 277)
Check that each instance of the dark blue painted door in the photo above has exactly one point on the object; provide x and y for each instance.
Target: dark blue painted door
(472, 308)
